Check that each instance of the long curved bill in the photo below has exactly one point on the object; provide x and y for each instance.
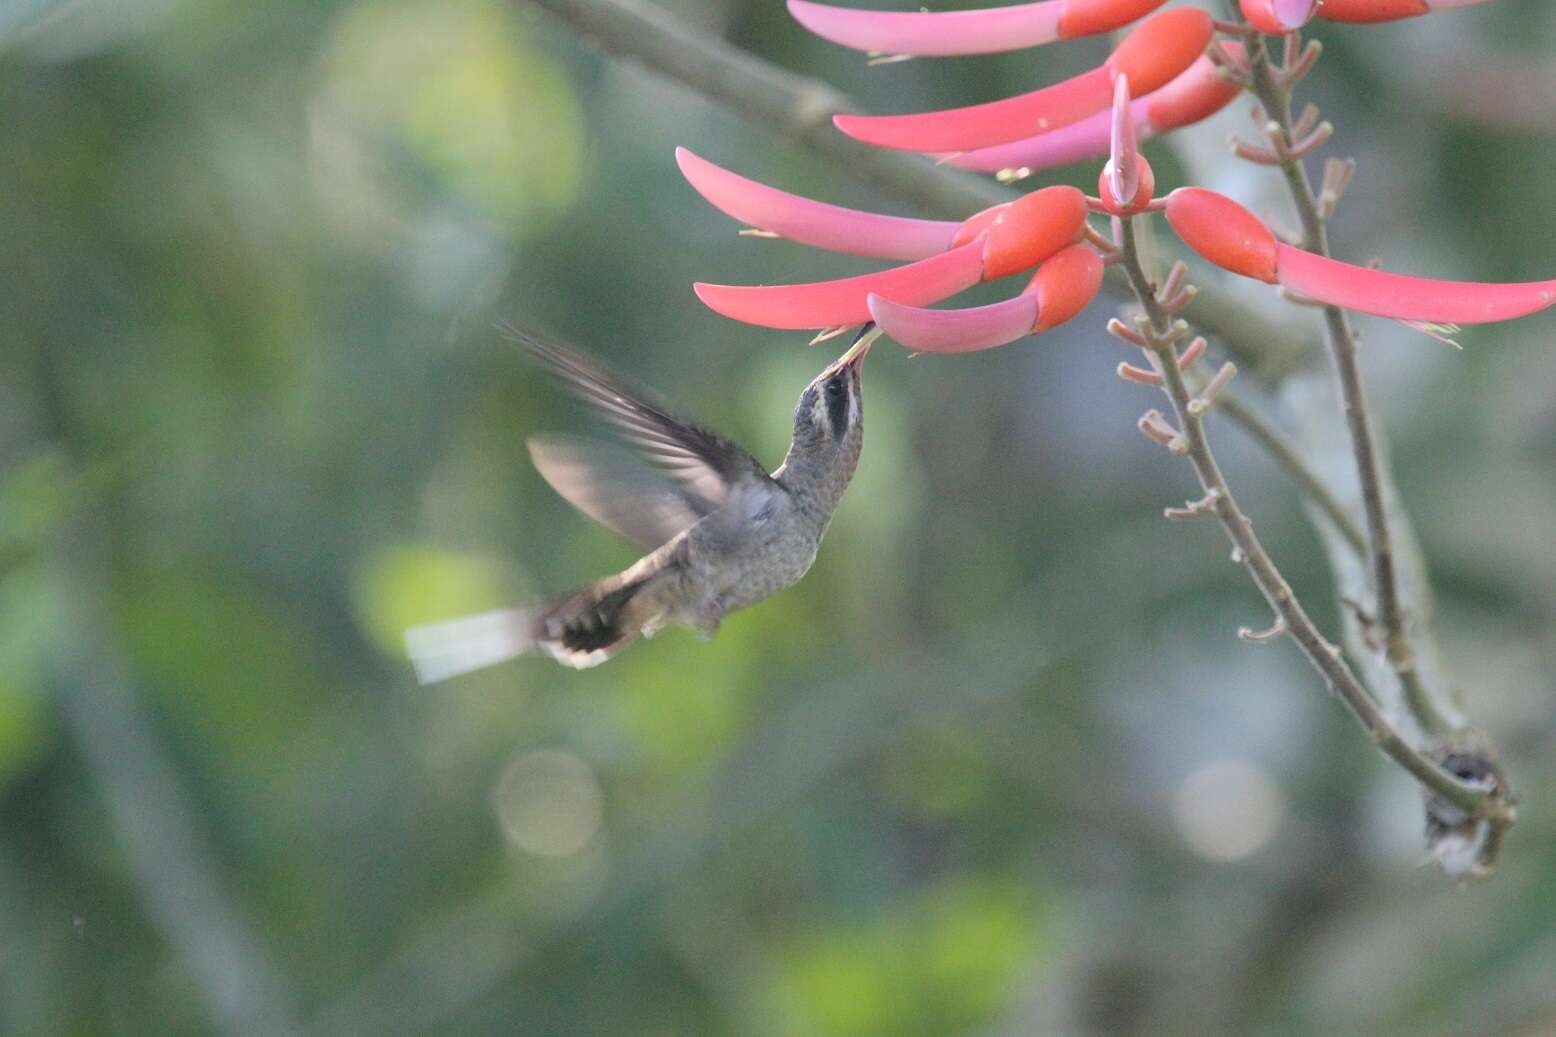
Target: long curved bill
(828, 304)
(809, 222)
(1151, 56)
(858, 349)
(951, 33)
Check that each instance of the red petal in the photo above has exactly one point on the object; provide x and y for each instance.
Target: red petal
(1032, 228)
(982, 125)
(828, 304)
(1151, 56)
(1066, 284)
(934, 34)
(1196, 94)
(1408, 298)
(1371, 10)
(1094, 17)
(1223, 232)
(1278, 17)
(956, 331)
(1163, 46)
(814, 223)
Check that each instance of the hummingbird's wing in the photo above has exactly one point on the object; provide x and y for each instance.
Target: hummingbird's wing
(612, 488)
(705, 468)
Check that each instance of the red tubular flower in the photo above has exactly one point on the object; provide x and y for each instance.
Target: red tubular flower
(956, 331)
(1030, 229)
(1230, 236)
(943, 34)
(1278, 17)
(1197, 93)
(1385, 10)
(1127, 183)
(1065, 284)
(829, 304)
(1001, 240)
(1151, 56)
(1062, 287)
(808, 222)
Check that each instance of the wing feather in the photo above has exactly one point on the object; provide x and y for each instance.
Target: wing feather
(705, 466)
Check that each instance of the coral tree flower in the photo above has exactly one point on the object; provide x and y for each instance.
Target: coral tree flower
(1196, 93)
(1231, 237)
(1385, 10)
(1005, 239)
(1126, 183)
(948, 33)
(1278, 17)
(1061, 288)
(1152, 55)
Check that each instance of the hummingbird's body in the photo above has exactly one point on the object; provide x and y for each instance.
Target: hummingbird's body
(725, 534)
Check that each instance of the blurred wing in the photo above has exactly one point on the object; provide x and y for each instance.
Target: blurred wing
(618, 493)
(704, 465)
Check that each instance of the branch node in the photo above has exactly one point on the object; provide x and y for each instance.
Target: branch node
(1193, 509)
(1264, 636)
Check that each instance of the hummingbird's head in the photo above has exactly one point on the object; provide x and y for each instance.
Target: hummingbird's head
(830, 413)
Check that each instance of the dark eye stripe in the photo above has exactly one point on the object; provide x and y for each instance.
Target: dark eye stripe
(837, 408)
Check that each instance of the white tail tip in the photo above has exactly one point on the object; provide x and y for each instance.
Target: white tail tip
(439, 651)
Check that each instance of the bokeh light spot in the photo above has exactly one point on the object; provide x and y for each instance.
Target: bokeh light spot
(548, 803)
(1228, 810)
(452, 89)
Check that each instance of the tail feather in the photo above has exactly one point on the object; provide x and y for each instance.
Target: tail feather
(592, 625)
(439, 651)
(581, 630)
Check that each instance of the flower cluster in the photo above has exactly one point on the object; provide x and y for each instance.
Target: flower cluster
(1169, 71)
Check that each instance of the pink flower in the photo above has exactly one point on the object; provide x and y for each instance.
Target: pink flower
(1151, 56)
(1385, 10)
(1062, 287)
(942, 34)
(1196, 93)
(1127, 183)
(1278, 17)
(1231, 237)
(831, 227)
(1009, 238)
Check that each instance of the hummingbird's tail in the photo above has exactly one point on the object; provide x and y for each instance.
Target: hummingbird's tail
(580, 630)
(439, 651)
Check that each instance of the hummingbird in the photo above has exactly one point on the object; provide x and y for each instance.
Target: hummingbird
(721, 533)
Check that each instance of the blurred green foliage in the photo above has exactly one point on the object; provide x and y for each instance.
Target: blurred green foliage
(255, 419)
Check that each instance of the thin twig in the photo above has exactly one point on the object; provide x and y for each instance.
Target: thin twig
(801, 109)
(1391, 618)
(1324, 656)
